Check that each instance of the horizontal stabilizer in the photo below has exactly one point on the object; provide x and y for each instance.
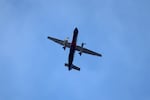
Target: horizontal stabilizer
(73, 66)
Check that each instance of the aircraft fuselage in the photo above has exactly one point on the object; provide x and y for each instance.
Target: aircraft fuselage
(72, 48)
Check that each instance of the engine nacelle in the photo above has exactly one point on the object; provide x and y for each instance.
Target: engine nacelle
(65, 43)
(80, 52)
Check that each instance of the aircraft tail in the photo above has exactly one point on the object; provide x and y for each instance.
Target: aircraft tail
(72, 66)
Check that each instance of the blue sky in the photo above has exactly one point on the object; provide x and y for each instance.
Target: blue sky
(32, 67)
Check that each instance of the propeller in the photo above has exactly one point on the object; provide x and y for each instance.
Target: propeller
(65, 42)
(80, 52)
(83, 44)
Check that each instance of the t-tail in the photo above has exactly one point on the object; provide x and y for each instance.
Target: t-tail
(72, 67)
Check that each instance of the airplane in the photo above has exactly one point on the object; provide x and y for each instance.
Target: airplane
(73, 47)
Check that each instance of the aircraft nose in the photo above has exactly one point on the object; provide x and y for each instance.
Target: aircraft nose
(76, 30)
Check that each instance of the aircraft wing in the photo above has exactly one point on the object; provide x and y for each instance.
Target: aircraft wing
(85, 50)
(61, 42)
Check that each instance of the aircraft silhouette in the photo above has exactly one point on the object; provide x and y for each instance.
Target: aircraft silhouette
(73, 47)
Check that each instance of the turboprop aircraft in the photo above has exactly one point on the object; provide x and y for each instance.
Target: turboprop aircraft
(73, 47)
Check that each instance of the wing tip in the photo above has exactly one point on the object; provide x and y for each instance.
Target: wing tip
(51, 38)
(48, 37)
(100, 55)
